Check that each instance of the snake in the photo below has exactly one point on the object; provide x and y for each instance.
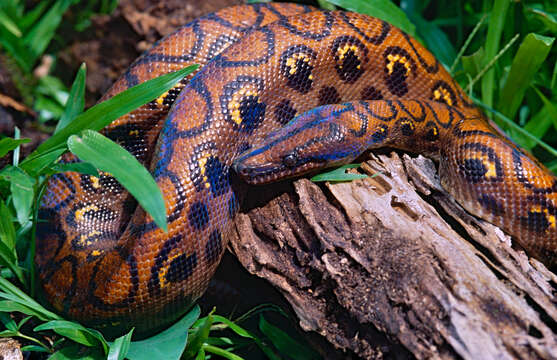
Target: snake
(282, 90)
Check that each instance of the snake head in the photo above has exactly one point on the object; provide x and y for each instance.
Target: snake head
(314, 140)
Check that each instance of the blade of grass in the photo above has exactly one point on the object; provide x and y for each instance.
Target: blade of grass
(119, 348)
(9, 24)
(467, 43)
(42, 32)
(104, 113)
(284, 343)
(382, 9)
(108, 156)
(9, 144)
(531, 54)
(76, 99)
(168, 344)
(511, 124)
(495, 29)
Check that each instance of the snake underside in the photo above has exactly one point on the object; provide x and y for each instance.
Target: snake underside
(102, 260)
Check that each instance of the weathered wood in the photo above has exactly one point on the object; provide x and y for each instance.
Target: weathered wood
(392, 265)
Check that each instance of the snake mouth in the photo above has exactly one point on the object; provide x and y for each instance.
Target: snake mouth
(267, 173)
(259, 174)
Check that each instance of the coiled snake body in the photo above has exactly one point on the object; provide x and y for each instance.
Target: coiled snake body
(101, 259)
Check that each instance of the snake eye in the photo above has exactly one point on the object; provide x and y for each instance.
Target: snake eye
(290, 160)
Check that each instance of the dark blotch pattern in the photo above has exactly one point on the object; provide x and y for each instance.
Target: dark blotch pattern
(296, 66)
(398, 66)
(198, 215)
(536, 221)
(329, 95)
(491, 204)
(181, 268)
(350, 56)
(285, 112)
(473, 170)
(213, 248)
(217, 175)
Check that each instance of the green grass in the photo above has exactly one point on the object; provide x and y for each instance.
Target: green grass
(507, 62)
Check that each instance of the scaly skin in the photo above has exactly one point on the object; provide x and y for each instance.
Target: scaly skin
(102, 260)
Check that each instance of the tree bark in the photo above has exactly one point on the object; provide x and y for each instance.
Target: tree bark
(392, 266)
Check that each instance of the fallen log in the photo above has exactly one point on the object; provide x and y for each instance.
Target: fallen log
(391, 265)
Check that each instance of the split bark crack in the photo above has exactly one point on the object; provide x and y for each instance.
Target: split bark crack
(392, 265)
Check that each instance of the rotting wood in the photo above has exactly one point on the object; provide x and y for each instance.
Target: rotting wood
(394, 258)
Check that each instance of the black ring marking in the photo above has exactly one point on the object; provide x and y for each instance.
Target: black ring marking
(520, 176)
(241, 105)
(329, 95)
(399, 65)
(350, 55)
(296, 64)
(376, 40)
(329, 21)
(474, 170)
(394, 111)
(284, 112)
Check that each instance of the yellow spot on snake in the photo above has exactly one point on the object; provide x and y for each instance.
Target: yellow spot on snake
(489, 165)
(442, 93)
(133, 133)
(202, 165)
(95, 183)
(550, 218)
(292, 62)
(96, 252)
(160, 99)
(234, 104)
(79, 214)
(164, 270)
(397, 59)
(342, 51)
(83, 239)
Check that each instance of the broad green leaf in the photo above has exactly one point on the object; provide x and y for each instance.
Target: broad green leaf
(35, 348)
(75, 332)
(7, 230)
(108, 156)
(77, 352)
(40, 35)
(9, 24)
(119, 348)
(222, 353)
(233, 326)
(8, 144)
(339, 174)
(168, 344)
(433, 37)
(34, 165)
(539, 123)
(53, 88)
(530, 56)
(104, 113)
(12, 293)
(9, 306)
(8, 322)
(82, 168)
(199, 337)
(495, 27)
(382, 9)
(21, 186)
(284, 343)
(546, 18)
(472, 64)
(8, 255)
(76, 99)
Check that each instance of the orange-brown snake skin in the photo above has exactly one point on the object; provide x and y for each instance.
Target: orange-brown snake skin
(102, 260)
